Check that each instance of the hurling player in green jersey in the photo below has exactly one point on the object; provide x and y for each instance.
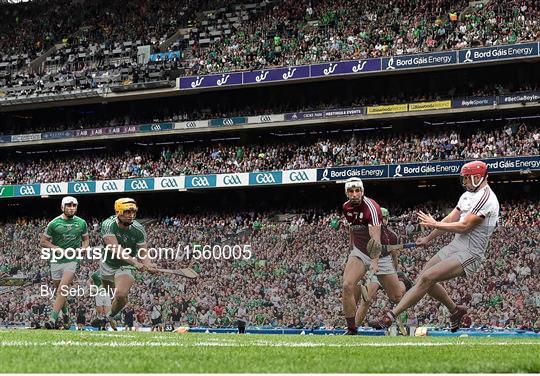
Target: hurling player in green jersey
(67, 231)
(125, 250)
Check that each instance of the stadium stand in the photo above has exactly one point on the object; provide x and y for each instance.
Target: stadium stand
(165, 110)
(98, 48)
(275, 153)
(293, 280)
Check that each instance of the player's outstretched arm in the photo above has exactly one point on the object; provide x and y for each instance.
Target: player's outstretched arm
(460, 227)
(453, 216)
(375, 232)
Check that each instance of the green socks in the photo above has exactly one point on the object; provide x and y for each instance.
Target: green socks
(54, 316)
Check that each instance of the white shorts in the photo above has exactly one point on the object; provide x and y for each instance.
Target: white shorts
(103, 301)
(469, 261)
(108, 273)
(386, 266)
(58, 269)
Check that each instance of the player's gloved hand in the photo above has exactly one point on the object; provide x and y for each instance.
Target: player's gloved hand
(384, 250)
(376, 249)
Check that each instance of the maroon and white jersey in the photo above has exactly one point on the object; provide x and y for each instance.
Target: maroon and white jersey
(360, 217)
(483, 203)
(388, 236)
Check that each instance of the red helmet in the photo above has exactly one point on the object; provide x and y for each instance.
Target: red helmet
(472, 169)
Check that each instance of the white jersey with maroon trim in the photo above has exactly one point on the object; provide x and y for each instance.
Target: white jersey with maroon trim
(483, 203)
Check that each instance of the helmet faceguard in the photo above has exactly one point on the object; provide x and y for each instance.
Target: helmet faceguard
(473, 174)
(354, 190)
(126, 210)
(69, 206)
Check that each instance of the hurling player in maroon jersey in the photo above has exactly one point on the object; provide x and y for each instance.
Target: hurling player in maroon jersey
(364, 216)
(372, 283)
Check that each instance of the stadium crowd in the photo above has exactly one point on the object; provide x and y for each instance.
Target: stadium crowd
(278, 33)
(312, 151)
(45, 23)
(349, 30)
(293, 278)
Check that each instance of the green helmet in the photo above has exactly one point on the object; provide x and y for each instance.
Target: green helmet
(385, 213)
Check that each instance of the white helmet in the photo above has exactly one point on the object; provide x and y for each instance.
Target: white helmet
(353, 183)
(68, 200)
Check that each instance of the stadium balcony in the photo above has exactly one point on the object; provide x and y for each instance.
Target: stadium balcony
(331, 31)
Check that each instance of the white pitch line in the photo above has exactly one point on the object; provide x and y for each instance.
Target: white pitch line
(252, 344)
(114, 335)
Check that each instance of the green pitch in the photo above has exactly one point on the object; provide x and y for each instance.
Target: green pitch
(106, 352)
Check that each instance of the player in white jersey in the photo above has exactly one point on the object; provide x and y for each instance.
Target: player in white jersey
(473, 221)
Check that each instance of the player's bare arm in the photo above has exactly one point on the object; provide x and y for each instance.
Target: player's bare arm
(351, 237)
(46, 243)
(453, 216)
(85, 241)
(458, 227)
(375, 234)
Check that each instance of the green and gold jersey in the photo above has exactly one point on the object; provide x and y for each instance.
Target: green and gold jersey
(66, 233)
(130, 238)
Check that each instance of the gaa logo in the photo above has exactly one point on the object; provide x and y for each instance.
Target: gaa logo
(228, 121)
(298, 176)
(53, 188)
(138, 185)
(155, 127)
(265, 179)
(26, 190)
(109, 186)
(200, 181)
(266, 119)
(81, 188)
(232, 180)
(191, 124)
(169, 183)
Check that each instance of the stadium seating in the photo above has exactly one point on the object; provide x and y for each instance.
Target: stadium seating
(99, 47)
(62, 47)
(360, 148)
(172, 110)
